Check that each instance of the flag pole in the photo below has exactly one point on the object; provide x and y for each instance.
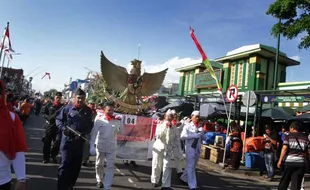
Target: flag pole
(2, 67)
(138, 51)
(8, 63)
(2, 46)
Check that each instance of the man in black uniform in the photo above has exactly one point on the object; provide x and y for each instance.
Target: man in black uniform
(52, 136)
(75, 121)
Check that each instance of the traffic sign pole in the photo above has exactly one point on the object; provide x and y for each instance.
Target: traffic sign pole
(246, 125)
(232, 91)
(227, 134)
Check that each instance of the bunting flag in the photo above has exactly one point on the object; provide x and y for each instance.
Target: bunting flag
(47, 74)
(205, 60)
(6, 40)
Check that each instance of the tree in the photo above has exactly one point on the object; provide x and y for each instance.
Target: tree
(98, 88)
(51, 92)
(295, 20)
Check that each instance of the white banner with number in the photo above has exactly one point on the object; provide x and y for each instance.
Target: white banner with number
(133, 144)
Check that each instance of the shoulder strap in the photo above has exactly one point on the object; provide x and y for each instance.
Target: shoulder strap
(299, 144)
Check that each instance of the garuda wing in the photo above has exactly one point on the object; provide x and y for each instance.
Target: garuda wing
(151, 82)
(115, 76)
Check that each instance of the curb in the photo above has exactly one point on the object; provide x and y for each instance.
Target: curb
(207, 165)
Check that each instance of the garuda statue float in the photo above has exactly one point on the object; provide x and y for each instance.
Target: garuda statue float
(132, 85)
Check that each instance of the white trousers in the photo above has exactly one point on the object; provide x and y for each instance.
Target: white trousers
(161, 162)
(110, 165)
(177, 159)
(189, 174)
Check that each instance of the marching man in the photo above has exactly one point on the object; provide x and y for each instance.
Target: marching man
(192, 133)
(103, 144)
(177, 150)
(162, 151)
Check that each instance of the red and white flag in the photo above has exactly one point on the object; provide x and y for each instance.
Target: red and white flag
(8, 54)
(6, 41)
(47, 74)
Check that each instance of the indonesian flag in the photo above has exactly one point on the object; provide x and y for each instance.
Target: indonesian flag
(205, 60)
(8, 54)
(6, 41)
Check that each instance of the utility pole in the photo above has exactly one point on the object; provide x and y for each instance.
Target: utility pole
(277, 61)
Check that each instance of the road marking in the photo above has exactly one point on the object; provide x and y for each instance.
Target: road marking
(129, 179)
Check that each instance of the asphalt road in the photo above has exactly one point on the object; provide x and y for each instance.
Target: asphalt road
(44, 176)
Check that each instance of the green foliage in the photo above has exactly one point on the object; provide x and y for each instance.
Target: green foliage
(99, 88)
(50, 93)
(295, 20)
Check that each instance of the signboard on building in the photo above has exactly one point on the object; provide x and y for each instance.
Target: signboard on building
(292, 98)
(205, 80)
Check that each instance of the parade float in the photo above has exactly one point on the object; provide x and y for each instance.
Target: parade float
(131, 88)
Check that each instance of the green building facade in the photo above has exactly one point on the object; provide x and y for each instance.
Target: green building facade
(249, 68)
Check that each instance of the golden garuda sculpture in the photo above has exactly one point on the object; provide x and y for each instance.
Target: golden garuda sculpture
(132, 85)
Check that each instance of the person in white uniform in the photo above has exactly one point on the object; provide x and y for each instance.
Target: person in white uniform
(103, 143)
(162, 152)
(177, 150)
(192, 133)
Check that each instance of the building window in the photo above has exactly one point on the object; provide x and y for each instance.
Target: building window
(190, 81)
(232, 74)
(186, 82)
(240, 74)
(247, 74)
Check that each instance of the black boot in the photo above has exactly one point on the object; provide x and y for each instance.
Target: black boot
(99, 185)
(155, 185)
(54, 160)
(166, 188)
(134, 164)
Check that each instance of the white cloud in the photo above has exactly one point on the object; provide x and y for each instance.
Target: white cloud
(171, 77)
(173, 63)
(295, 57)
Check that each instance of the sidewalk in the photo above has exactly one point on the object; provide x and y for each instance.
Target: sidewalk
(243, 172)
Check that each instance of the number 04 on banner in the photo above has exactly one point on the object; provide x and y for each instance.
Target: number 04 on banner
(131, 120)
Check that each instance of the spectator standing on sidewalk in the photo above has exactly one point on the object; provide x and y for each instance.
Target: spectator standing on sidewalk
(296, 145)
(12, 146)
(270, 143)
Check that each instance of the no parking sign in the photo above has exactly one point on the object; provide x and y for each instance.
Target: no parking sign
(232, 93)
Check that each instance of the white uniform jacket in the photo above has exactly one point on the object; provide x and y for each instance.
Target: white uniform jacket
(189, 133)
(177, 150)
(165, 138)
(104, 133)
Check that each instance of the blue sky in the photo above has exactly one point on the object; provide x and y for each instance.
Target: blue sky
(64, 36)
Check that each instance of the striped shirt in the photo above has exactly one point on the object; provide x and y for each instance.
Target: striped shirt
(296, 153)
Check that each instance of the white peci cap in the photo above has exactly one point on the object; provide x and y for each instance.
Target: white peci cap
(195, 113)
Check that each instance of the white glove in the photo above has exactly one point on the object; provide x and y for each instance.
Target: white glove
(181, 156)
(200, 129)
(92, 151)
